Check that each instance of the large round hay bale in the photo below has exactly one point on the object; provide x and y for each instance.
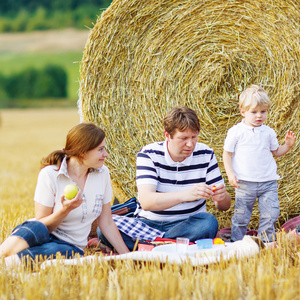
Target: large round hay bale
(143, 57)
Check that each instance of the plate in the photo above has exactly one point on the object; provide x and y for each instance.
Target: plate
(193, 250)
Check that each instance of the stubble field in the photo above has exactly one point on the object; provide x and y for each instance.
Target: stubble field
(28, 135)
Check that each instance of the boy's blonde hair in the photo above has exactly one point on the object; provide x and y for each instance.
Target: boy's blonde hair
(253, 96)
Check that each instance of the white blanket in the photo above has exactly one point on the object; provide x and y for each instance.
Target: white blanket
(167, 253)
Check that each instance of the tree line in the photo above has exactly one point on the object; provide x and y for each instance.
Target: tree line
(48, 82)
(29, 15)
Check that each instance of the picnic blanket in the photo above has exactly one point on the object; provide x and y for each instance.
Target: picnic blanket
(244, 248)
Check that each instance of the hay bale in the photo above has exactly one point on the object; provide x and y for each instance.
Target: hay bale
(143, 57)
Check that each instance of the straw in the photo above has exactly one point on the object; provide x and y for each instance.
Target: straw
(143, 57)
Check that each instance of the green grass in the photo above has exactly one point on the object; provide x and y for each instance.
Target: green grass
(16, 62)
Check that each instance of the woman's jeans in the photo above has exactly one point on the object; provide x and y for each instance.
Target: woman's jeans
(41, 243)
(199, 226)
(268, 205)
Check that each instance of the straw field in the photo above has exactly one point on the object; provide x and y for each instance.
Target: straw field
(28, 135)
(143, 57)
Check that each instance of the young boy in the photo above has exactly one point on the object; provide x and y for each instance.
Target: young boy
(248, 159)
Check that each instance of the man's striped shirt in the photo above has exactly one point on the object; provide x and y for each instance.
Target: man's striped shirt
(156, 167)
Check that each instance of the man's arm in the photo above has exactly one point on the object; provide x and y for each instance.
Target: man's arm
(152, 200)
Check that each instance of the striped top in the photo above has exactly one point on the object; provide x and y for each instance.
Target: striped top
(156, 167)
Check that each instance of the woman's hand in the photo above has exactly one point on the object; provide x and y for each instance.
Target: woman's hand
(69, 205)
(52, 219)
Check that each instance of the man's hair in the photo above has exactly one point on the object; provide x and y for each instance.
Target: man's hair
(253, 96)
(181, 118)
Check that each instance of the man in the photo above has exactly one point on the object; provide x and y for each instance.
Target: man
(175, 178)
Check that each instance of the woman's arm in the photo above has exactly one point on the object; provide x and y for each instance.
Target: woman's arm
(52, 219)
(110, 230)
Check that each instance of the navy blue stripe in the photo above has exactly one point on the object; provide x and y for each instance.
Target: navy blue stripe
(215, 166)
(179, 212)
(146, 168)
(158, 152)
(146, 176)
(141, 154)
(214, 180)
(183, 168)
(212, 156)
(164, 167)
(201, 152)
(193, 167)
(180, 182)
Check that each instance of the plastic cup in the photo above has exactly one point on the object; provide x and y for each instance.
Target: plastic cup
(182, 245)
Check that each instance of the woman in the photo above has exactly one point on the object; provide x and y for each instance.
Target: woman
(61, 225)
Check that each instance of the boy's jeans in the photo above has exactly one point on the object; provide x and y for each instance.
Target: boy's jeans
(245, 197)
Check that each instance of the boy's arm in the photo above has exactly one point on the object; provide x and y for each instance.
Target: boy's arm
(227, 160)
(290, 140)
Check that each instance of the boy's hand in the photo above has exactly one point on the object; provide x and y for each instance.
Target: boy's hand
(290, 139)
(233, 181)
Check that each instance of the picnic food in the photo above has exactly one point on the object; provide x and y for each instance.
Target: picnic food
(70, 191)
(218, 241)
(214, 188)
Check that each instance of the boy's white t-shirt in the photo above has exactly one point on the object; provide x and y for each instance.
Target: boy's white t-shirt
(252, 159)
(76, 227)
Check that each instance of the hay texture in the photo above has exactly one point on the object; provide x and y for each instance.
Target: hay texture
(144, 57)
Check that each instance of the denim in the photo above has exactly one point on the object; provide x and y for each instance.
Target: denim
(199, 226)
(33, 232)
(268, 205)
(41, 243)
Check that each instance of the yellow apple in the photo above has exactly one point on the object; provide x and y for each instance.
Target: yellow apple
(70, 191)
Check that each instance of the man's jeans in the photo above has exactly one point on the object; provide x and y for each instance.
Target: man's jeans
(245, 197)
(199, 226)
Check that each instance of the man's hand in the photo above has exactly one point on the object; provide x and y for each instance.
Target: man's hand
(198, 191)
(221, 197)
(219, 193)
